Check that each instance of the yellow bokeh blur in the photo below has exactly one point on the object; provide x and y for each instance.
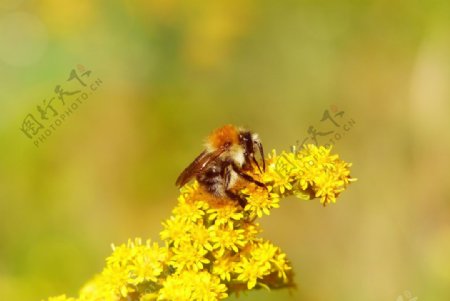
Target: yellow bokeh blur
(141, 84)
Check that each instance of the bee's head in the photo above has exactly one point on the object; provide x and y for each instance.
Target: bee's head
(251, 144)
(222, 138)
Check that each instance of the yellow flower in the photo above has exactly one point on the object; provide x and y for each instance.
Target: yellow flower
(250, 270)
(148, 297)
(281, 265)
(115, 279)
(190, 211)
(262, 259)
(201, 236)
(192, 286)
(267, 252)
(223, 266)
(226, 214)
(120, 256)
(309, 173)
(279, 169)
(261, 202)
(147, 263)
(175, 229)
(208, 287)
(212, 245)
(251, 229)
(97, 289)
(264, 252)
(189, 256)
(177, 287)
(226, 238)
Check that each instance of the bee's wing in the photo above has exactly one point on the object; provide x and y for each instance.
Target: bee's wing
(197, 166)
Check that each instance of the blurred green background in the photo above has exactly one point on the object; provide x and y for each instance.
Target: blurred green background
(171, 71)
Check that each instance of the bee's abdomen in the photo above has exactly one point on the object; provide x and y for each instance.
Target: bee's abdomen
(212, 179)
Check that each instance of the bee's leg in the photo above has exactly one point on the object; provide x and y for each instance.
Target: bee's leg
(247, 177)
(236, 197)
(227, 174)
(250, 179)
(256, 163)
(261, 152)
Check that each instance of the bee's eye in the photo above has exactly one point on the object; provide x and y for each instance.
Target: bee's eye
(245, 138)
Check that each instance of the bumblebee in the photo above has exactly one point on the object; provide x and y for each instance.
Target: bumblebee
(229, 153)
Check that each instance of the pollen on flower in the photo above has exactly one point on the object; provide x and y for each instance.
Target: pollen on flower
(147, 263)
(175, 229)
(225, 214)
(312, 172)
(226, 238)
(188, 256)
(201, 236)
(261, 202)
(192, 286)
(223, 267)
(212, 246)
(250, 270)
(190, 211)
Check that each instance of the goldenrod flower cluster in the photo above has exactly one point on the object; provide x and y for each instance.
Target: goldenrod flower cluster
(212, 246)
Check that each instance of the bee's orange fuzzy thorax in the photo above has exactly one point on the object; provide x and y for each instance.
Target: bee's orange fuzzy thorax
(221, 136)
